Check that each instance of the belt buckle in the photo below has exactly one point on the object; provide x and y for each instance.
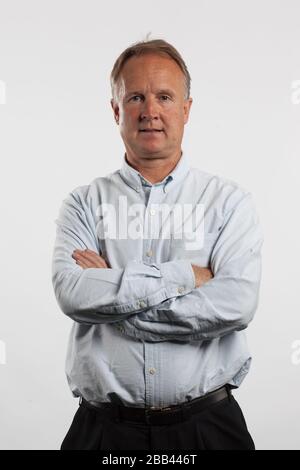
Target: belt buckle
(151, 412)
(159, 408)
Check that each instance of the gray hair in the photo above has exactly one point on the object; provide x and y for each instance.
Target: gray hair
(155, 46)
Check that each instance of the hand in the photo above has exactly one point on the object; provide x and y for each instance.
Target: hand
(202, 275)
(89, 259)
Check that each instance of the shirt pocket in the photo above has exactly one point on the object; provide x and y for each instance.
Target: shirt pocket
(198, 251)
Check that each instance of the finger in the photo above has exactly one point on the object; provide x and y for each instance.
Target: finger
(93, 257)
(80, 258)
(81, 264)
(87, 262)
(90, 261)
(87, 251)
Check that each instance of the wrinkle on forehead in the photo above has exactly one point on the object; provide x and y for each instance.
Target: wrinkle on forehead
(160, 76)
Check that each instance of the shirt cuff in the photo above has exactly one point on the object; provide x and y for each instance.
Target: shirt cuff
(178, 277)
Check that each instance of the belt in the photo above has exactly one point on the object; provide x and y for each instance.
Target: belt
(167, 415)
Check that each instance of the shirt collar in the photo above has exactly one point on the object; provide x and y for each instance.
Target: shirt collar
(135, 180)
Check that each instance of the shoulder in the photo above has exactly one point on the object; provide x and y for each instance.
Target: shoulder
(217, 189)
(96, 184)
(88, 195)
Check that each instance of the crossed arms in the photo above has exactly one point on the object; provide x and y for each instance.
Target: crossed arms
(90, 259)
(163, 301)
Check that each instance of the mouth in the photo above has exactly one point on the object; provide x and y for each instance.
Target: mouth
(151, 130)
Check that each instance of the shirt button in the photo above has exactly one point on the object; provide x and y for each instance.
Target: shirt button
(180, 290)
(152, 370)
(152, 211)
(142, 303)
(149, 253)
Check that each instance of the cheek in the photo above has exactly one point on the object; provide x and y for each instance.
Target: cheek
(175, 123)
(175, 117)
(126, 126)
(126, 115)
(131, 119)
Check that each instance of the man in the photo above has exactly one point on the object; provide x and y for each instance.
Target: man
(159, 266)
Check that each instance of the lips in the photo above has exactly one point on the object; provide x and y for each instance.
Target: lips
(151, 130)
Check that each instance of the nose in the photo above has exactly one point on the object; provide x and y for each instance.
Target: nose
(149, 110)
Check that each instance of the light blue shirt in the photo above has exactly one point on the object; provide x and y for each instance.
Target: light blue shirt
(142, 332)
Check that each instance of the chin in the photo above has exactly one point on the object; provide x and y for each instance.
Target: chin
(152, 149)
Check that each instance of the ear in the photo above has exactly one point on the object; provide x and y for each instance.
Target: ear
(186, 109)
(116, 110)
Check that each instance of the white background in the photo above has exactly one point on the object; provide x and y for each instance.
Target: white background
(57, 132)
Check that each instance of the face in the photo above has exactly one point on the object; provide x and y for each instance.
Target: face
(151, 110)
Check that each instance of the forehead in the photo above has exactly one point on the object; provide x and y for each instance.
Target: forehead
(150, 69)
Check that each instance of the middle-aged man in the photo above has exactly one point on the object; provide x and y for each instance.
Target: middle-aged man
(159, 266)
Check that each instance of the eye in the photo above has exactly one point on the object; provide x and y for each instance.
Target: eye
(165, 96)
(135, 96)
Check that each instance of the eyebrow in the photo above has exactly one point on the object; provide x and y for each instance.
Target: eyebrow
(160, 92)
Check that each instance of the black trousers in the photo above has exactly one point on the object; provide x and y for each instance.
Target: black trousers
(220, 427)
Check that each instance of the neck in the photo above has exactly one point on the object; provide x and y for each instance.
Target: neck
(154, 170)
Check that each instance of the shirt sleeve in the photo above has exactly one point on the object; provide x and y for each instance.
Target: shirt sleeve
(107, 295)
(225, 303)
